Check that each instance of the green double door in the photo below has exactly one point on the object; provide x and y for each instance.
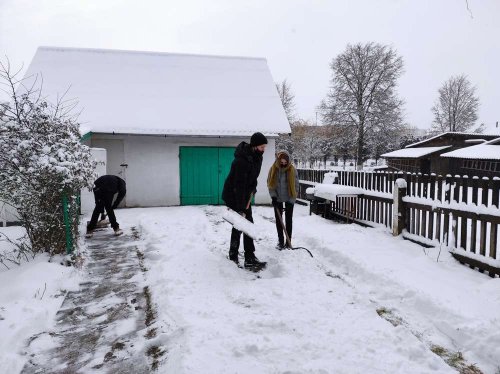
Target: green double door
(203, 171)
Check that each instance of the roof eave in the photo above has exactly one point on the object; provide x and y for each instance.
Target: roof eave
(167, 135)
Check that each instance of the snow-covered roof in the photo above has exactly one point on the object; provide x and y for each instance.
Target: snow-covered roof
(486, 151)
(414, 152)
(470, 134)
(163, 93)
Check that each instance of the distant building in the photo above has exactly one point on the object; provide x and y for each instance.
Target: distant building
(428, 156)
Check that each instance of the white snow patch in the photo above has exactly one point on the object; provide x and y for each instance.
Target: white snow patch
(30, 296)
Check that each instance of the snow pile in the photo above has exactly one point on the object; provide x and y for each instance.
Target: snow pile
(310, 190)
(330, 177)
(401, 183)
(331, 191)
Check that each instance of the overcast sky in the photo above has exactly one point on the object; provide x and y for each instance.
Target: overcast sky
(299, 38)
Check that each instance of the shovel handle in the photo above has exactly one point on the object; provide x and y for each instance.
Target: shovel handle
(249, 201)
(288, 241)
(248, 205)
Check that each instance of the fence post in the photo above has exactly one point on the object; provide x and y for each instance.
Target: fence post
(398, 211)
(69, 241)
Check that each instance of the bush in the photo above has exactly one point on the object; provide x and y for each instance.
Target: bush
(41, 161)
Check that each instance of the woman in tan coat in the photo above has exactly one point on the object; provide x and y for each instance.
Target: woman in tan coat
(283, 184)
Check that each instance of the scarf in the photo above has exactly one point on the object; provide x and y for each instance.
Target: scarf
(272, 178)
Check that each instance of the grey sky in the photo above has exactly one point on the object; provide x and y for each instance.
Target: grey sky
(437, 38)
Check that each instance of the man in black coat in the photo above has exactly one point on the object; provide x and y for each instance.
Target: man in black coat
(105, 188)
(239, 187)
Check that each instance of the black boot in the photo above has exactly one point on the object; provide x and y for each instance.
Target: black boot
(233, 256)
(253, 263)
(280, 246)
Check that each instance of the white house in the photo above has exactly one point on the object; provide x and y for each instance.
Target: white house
(168, 122)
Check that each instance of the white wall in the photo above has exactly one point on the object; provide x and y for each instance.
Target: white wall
(152, 174)
(7, 214)
(87, 196)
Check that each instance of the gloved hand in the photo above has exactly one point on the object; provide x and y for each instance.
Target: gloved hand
(274, 201)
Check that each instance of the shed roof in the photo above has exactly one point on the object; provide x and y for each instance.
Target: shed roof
(449, 134)
(414, 152)
(486, 151)
(163, 93)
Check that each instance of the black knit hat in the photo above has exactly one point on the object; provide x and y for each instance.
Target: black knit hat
(258, 139)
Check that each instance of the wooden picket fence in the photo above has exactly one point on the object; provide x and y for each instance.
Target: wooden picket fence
(373, 207)
(455, 211)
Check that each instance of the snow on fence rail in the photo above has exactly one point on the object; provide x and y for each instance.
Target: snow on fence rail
(375, 205)
(456, 211)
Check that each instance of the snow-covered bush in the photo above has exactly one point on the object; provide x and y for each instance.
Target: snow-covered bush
(41, 161)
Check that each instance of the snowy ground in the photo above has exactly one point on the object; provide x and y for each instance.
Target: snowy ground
(366, 303)
(30, 296)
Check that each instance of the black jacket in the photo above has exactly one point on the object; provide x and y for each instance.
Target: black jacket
(241, 181)
(111, 184)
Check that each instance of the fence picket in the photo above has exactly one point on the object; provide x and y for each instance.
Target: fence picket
(464, 220)
(484, 201)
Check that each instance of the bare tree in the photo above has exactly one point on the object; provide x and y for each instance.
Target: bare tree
(344, 143)
(456, 107)
(384, 141)
(286, 142)
(305, 143)
(363, 96)
(287, 99)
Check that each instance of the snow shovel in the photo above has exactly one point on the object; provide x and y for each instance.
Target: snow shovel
(288, 240)
(240, 223)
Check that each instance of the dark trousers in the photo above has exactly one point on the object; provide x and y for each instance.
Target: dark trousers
(103, 200)
(288, 220)
(247, 241)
